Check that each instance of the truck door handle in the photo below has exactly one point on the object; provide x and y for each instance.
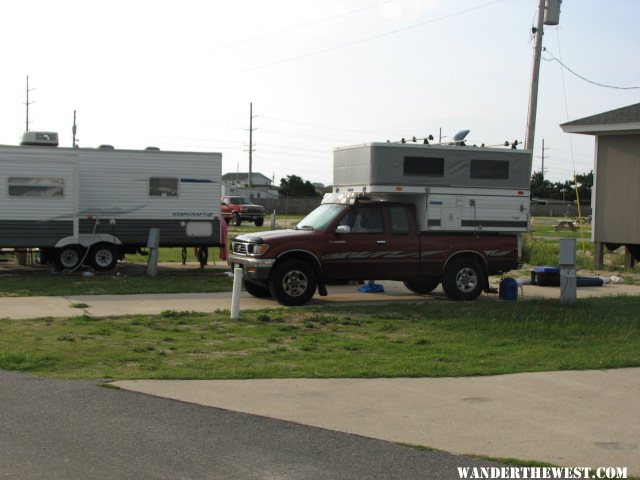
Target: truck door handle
(337, 241)
(381, 242)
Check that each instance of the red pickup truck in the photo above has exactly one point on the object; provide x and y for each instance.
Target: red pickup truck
(236, 209)
(369, 240)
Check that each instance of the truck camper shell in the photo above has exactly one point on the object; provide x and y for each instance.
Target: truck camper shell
(455, 188)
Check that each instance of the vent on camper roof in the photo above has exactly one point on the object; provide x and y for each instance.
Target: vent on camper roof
(48, 139)
(106, 147)
(153, 149)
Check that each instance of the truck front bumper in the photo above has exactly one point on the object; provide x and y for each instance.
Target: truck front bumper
(254, 268)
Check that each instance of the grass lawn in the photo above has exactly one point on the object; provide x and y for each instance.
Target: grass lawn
(42, 283)
(433, 339)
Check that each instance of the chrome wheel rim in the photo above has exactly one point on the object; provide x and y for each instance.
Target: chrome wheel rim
(295, 283)
(466, 280)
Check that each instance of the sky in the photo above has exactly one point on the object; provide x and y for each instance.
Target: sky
(321, 74)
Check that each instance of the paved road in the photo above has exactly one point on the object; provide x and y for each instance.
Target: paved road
(52, 429)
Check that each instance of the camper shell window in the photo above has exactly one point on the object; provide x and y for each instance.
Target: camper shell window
(163, 187)
(36, 187)
(492, 169)
(424, 166)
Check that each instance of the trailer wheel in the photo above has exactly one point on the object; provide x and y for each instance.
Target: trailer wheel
(259, 221)
(293, 282)
(68, 258)
(236, 219)
(463, 279)
(422, 285)
(258, 291)
(104, 256)
(203, 255)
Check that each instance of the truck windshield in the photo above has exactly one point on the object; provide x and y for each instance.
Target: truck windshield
(321, 217)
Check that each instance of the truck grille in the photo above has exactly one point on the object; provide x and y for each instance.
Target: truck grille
(240, 248)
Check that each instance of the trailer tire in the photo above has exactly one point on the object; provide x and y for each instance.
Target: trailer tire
(255, 290)
(293, 282)
(422, 285)
(463, 279)
(68, 258)
(236, 219)
(259, 222)
(203, 255)
(104, 256)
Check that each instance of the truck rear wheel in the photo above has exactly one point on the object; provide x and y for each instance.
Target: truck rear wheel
(104, 256)
(293, 282)
(463, 279)
(422, 285)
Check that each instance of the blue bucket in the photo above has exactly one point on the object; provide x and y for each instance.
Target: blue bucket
(508, 289)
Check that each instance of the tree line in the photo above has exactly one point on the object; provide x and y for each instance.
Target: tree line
(565, 191)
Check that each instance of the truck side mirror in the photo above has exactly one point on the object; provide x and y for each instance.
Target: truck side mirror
(343, 229)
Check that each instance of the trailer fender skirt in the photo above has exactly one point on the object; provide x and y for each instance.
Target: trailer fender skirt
(88, 240)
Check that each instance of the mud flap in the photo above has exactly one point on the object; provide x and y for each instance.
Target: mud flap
(322, 290)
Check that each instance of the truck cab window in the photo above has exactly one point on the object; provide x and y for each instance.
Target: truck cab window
(399, 220)
(364, 220)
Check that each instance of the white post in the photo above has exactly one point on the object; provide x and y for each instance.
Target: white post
(153, 243)
(567, 262)
(273, 220)
(235, 295)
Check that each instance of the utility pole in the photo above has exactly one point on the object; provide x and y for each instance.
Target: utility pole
(543, 157)
(251, 145)
(27, 104)
(550, 17)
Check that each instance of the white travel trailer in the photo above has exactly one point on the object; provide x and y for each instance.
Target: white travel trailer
(94, 205)
(455, 188)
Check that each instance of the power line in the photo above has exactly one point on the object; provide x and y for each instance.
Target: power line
(554, 59)
(372, 37)
(304, 25)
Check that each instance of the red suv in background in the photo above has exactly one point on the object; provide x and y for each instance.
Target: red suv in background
(236, 209)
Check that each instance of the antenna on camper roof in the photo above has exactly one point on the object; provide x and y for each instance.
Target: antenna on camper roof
(74, 130)
(27, 103)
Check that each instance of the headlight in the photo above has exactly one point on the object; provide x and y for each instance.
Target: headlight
(258, 249)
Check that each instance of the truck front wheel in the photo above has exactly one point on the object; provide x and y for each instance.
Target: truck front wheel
(255, 290)
(463, 279)
(259, 221)
(422, 285)
(293, 282)
(236, 219)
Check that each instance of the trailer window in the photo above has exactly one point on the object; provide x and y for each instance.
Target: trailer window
(36, 187)
(495, 169)
(424, 166)
(163, 187)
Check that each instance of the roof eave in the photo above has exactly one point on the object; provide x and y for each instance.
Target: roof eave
(603, 128)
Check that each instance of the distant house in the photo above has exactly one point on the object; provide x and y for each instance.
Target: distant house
(242, 179)
(238, 184)
(615, 195)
